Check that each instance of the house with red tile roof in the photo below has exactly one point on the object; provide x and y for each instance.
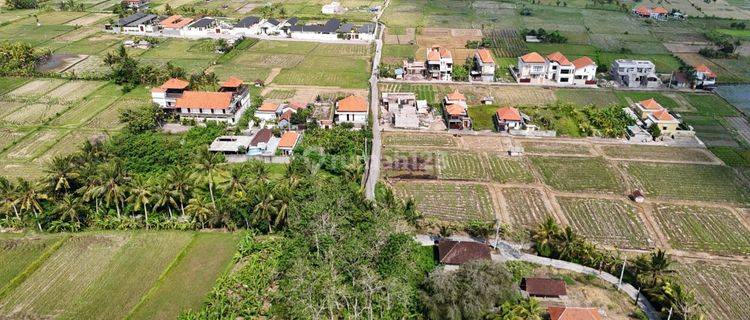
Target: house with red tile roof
(352, 109)
(555, 69)
(704, 77)
(439, 65)
(268, 111)
(456, 252)
(455, 111)
(651, 113)
(174, 23)
(657, 13)
(507, 118)
(225, 105)
(288, 141)
(573, 313)
(484, 65)
(166, 95)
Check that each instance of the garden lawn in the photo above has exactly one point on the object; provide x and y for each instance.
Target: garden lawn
(574, 174)
(190, 278)
(688, 181)
(483, 117)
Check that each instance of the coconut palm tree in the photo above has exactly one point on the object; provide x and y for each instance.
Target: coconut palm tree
(8, 196)
(114, 180)
(207, 162)
(180, 183)
(61, 173)
(91, 187)
(260, 171)
(236, 181)
(570, 243)
(69, 208)
(266, 206)
(200, 210)
(29, 198)
(657, 264)
(545, 234)
(164, 196)
(140, 195)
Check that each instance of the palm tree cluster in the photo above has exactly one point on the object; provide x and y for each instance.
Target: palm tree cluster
(652, 272)
(91, 189)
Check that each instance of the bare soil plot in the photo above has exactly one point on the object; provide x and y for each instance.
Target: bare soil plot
(451, 39)
(688, 181)
(555, 148)
(497, 144)
(525, 206)
(35, 113)
(702, 228)
(505, 95)
(611, 222)
(36, 88)
(92, 65)
(7, 107)
(409, 164)
(419, 139)
(646, 153)
(63, 277)
(722, 289)
(574, 174)
(449, 201)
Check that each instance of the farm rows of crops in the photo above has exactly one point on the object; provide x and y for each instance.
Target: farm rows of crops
(525, 206)
(722, 289)
(449, 201)
(701, 228)
(606, 221)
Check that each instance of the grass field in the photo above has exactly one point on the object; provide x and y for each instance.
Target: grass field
(106, 274)
(605, 221)
(16, 254)
(426, 140)
(558, 148)
(688, 182)
(646, 152)
(483, 117)
(449, 201)
(525, 206)
(720, 288)
(573, 174)
(707, 229)
(710, 105)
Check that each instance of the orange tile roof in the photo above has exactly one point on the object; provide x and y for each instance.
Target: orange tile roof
(559, 58)
(455, 110)
(232, 82)
(456, 96)
(704, 69)
(573, 313)
(659, 10)
(297, 105)
(642, 10)
(583, 62)
(268, 107)
(205, 100)
(175, 22)
(158, 89)
(508, 114)
(651, 104)
(485, 56)
(175, 83)
(663, 115)
(444, 53)
(288, 140)
(433, 55)
(352, 104)
(286, 115)
(533, 57)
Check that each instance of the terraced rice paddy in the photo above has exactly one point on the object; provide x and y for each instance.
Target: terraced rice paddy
(574, 174)
(688, 181)
(641, 152)
(525, 206)
(610, 222)
(701, 228)
(449, 201)
(722, 289)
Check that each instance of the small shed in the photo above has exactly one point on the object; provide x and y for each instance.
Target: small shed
(515, 151)
(454, 252)
(638, 196)
(543, 287)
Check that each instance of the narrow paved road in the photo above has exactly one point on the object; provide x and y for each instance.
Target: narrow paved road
(373, 172)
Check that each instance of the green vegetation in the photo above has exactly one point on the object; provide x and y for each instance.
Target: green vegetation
(483, 117)
(703, 228)
(606, 221)
(532, 200)
(646, 152)
(574, 174)
(717, 287)
(580, 121)
(447, 201)
(17, 59)
(16, 254)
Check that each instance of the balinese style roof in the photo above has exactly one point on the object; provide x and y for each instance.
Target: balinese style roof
(559, 58)
(445, 53)
(651, 104)
(642, 10)
(247, 22)
(296, 105)
(659, 10)
(268, 107)
(663, 115)
(287, 115)
(175, 83)
(433, 55)
(175, 22)
(455, 110)
(533, 57)
(460, 252)
(288, 140)
(485, 56)
(352, 104)
(508, 114)
(232, 82)
(204, 100)
(262, 136)
(456, 96)
(573, 313)
(583, 62)
(543, 287)
(704, 69)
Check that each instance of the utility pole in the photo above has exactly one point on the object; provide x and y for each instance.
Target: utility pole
(670, 314)
(622, 272)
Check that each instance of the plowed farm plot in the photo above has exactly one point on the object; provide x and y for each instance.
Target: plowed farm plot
(525, 206)
(555, 148)
(688, 181)
(610, 222)
(34, 144)
(35, 88)
(723, 290)
(109, 118)
(72, 91)
(702, 228)
(419, 139)
(574, 174)
(409, 164)
(449, 201)
(640, 152)
(35, 113)
(505, 169)
(507, 43)
(461, 166)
